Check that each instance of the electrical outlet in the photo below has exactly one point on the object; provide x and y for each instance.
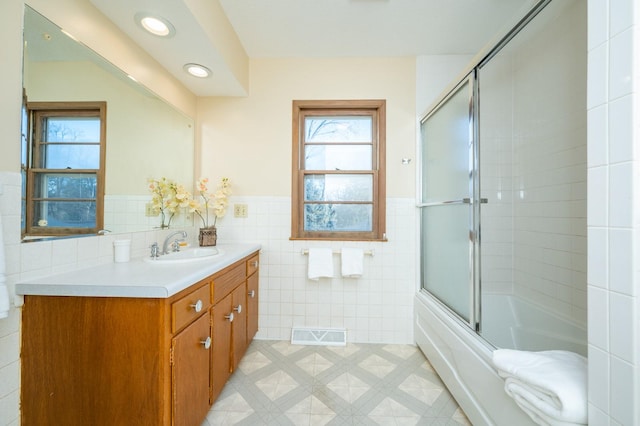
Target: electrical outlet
(148, 210)
(240, 210)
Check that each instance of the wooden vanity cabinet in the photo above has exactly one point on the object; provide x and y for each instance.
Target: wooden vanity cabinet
(252, 297)
(95, 361)
(115, 361)
(221, 349)
(190, 358)
(233, 315)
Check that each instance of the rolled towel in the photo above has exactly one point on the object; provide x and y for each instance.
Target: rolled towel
(352, 259)
(320, 263)
(550, 386)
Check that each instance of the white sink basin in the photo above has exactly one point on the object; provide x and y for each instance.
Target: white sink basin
(186, 256)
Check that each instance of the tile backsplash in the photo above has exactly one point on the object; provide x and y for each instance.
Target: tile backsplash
(376, 307)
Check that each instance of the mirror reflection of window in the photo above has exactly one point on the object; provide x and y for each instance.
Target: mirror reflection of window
(66, 169)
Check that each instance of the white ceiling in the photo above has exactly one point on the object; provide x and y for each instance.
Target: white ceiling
(314, 28)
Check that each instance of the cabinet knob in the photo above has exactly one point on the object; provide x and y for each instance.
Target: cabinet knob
(238, 309)
(254, 263)
(252, 294)
(197, 306)
(229, 317)
(206, 343)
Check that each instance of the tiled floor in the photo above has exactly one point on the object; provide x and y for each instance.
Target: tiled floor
(361, 384)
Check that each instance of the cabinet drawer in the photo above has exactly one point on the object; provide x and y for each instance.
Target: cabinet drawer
(189, 307)
(252, 265)
(227, 281)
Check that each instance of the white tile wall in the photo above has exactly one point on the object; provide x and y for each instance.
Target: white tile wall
(613, 212)
(374, 308)
(126, 213)
(10, 327)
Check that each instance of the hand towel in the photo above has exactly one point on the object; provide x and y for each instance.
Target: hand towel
(4, 292)
(320, 263)
(550, 386)
(352, 262)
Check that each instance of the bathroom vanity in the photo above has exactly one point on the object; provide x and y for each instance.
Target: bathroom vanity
(136, 343)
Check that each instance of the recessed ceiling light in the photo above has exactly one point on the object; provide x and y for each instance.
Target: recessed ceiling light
(197, 70)
(154, 24)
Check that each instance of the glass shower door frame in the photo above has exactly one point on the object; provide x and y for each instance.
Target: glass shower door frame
(471, 199)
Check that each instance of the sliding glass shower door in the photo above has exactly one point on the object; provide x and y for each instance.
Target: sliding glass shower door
(446, 205)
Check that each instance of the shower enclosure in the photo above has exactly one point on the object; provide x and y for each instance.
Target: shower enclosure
(503, 208)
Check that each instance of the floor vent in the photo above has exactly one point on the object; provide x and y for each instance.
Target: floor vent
(319, 336)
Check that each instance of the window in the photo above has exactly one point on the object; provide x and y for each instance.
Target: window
(338, 179)
(65, 168)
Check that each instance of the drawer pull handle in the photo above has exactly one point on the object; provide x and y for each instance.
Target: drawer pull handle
(252, 294)
(254, 263)
(238, 309)
(206, 343)
(197, 306)
(229, 317)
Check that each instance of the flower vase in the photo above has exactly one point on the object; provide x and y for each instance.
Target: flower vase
(207, 236)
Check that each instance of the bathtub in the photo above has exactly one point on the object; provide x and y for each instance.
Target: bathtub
(463, 359)
(511, 322)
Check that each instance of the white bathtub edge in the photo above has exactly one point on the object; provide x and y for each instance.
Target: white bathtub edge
(463, 365)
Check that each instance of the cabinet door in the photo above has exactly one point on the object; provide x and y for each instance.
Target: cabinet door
(252, 307)
(190, 386)
(222, 316)
(239, 326)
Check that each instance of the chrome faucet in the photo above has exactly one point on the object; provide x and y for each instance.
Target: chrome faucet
(155, 251)
(167, 241)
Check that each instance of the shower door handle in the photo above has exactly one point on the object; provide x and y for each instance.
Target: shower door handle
(446, 203)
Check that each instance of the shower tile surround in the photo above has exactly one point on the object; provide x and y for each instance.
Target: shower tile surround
(613, 211)
(533, 173)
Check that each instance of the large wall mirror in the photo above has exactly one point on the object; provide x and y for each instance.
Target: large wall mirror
(145, 136)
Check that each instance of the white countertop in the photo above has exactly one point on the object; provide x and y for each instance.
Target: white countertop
(136, 278)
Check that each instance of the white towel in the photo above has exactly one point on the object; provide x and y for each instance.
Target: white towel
(550, 386)
(4, 291)
(320, 263)
(352, 262)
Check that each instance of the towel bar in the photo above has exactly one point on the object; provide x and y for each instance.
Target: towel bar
(366, 252)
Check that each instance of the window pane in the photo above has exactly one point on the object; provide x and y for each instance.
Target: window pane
(70, 157)
(338, 129)
(65, 214)
(338, 157)
(338, 217)
(82, 186)
(343, 187)
(72, 129)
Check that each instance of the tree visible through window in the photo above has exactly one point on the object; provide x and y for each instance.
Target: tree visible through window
(338, 170)
(65, 173)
